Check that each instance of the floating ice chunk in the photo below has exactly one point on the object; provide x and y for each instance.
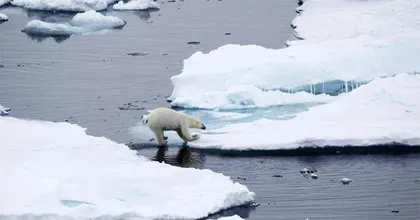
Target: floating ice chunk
(4, 2)
(136, 5)
(212, 80)
(383, 111)
(345, 180)
(37, 27)
(64, 5)
(60, 170)
(349, 19)
(313, 176)
(86, 22)
(233, 217)
(3, 18)
(4, 111)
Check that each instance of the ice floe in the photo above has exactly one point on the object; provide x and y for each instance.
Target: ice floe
(4, 2)
(64, 5)
(3, 18)
(136, 5)
(384, 111)
(86, 22)
(235, 76)
(57, 170)
(4, 111)
(325, 20)
(233, 217)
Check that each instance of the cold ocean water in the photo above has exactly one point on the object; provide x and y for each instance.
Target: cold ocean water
(106, 82)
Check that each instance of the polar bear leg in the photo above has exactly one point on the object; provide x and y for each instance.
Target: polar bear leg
(159, 136)
(185, 134)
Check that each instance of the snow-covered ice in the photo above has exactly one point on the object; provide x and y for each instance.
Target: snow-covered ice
(381, 112)
(3, 17)
(4, 111)
(86, 22)
(325, 20)
(57, 169)
(233, 217)
(235, 76)
(3, 2)
(64, 5)
(136, 5)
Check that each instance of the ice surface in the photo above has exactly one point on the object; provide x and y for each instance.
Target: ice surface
(233, 217)
(381, 112)
(3, 17)
(348, 19)
(249, 75)
(64, 5)
(136, 5)
(3, 110)
(3, 2)
(86, 22)
(57, 169)
(246, 96)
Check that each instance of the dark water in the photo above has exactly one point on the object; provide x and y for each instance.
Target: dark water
(85, 79)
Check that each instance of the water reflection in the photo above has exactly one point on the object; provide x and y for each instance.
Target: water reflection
(183, 158)
(41, 38)
(50, 16)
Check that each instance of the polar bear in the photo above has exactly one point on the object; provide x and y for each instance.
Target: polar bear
(165, 119)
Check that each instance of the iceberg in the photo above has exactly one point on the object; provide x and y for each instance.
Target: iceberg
(384, 111)
(3, 18)
(58, 171)
(4, 2)
(348, 19)
(3, 110)
(243, 76)
(63, 5)
(86, 22)
(136, 5)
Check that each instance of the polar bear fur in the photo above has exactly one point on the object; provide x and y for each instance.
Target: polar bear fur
(165, 119)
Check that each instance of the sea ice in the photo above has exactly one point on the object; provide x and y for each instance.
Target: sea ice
(4, 111)
(56, 169)
(3, 2)
(3, 17)
(235, 76)
(64, 5)
(86, 22)
(383, 111)
(233, 217)
(136, 5)
(348, 19)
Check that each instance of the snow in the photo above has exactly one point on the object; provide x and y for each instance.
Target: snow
(3, 17)
(86, 22)
(64, 5)
(383, 111)
(136, 5)
(235, 76)
(3, 2)
(348, 19)
(233, 217)
(56, 169)
(4, 111)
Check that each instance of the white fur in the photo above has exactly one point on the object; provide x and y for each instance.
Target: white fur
(166, 119)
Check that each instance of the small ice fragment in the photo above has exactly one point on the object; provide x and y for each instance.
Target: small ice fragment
(304, 171)
(314, 176)
(345, 180)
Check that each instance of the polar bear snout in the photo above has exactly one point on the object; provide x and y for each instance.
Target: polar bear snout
(203, 127)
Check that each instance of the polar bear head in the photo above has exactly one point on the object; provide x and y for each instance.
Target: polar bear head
(194, 123)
